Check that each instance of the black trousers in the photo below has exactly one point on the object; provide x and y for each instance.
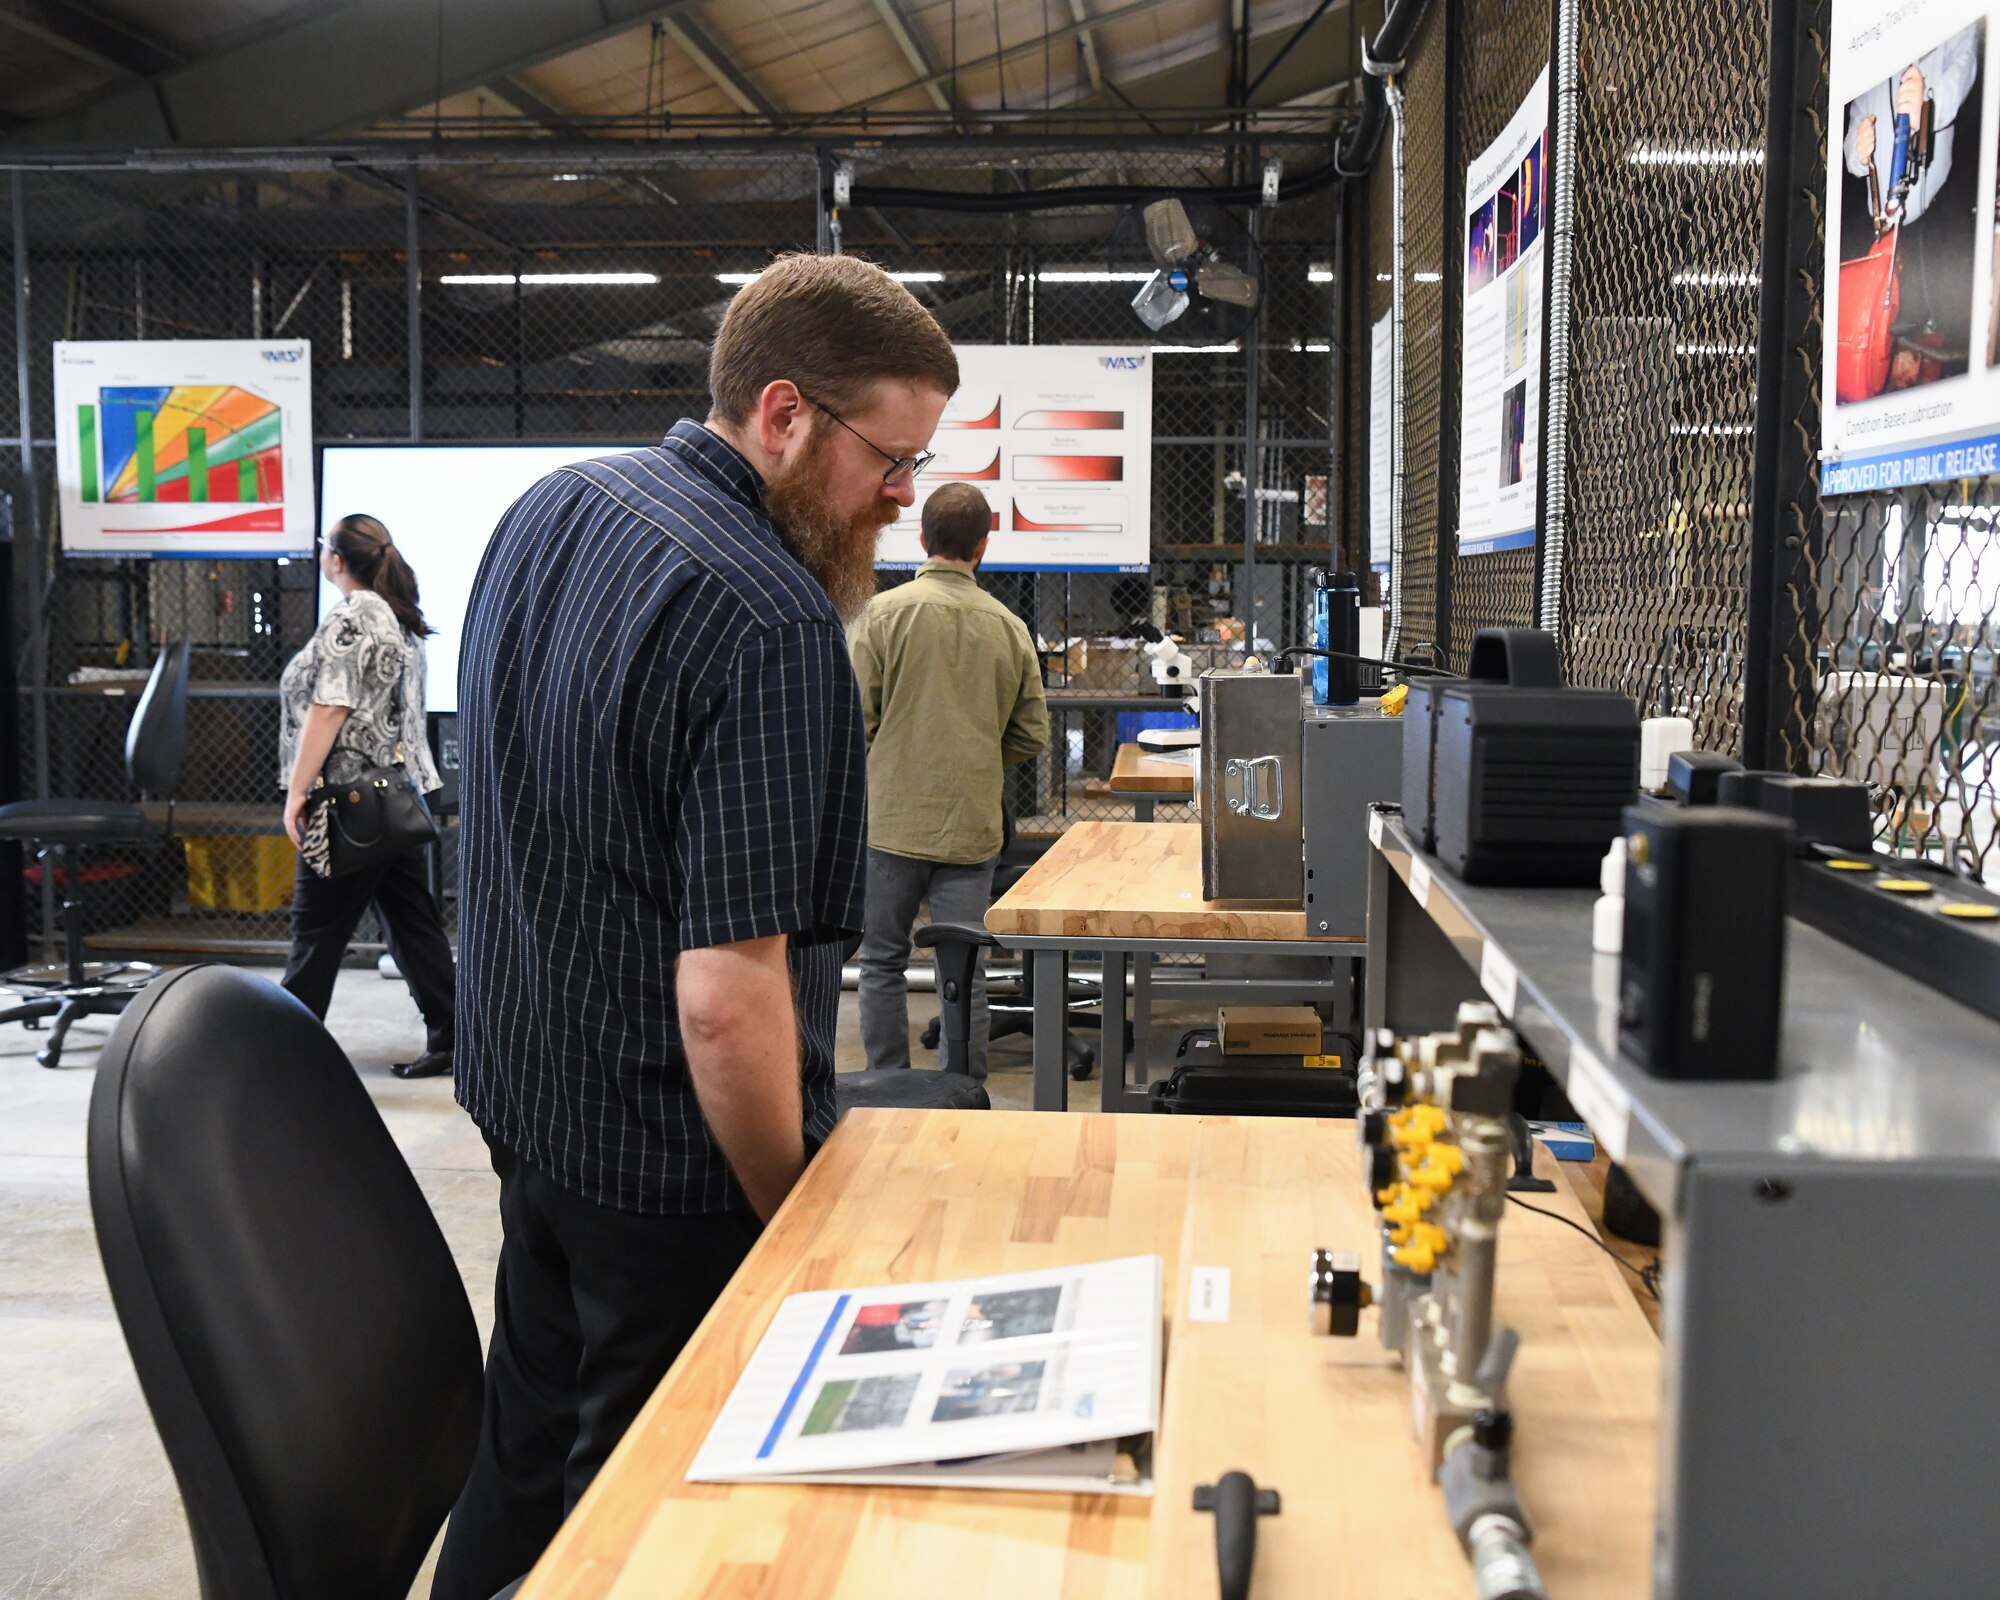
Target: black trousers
(590, 1307)
(325, 912)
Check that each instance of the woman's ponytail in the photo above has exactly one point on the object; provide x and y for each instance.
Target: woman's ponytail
(364, 544)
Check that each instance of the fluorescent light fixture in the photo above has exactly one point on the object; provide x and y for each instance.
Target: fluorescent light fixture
(549, 277)
(1715, 280)
(1089, 275)
(1715, 349)
(1311, 348)
(1319, 274)
(740, 278)
(1194, 349)
(1661, 155)
(567, 177)
(1428, 277)
(1687, 429)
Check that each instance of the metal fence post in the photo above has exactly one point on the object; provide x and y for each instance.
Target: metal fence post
(1252, 463)
(1785, 519)
(28, 537)
(1554, 486)
(1451, 318)
(413, 275)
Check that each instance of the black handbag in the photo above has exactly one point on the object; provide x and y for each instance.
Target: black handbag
(374, 817)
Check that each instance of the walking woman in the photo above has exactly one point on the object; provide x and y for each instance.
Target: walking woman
(353, 699)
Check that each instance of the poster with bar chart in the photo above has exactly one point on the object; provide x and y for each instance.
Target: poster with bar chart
(1059, 438)
(185, 447)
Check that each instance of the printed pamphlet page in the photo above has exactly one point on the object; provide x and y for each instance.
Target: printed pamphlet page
(1030, 1380)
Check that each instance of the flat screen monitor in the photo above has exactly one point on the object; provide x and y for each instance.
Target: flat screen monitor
(440, 503)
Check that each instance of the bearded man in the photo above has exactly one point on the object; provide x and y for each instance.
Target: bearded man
(662, 782)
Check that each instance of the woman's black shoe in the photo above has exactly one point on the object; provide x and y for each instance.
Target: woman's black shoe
(431, 1064)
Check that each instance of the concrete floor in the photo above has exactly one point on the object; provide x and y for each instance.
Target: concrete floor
(88, 1507)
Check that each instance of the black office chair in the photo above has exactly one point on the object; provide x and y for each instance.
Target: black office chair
(60, 829)
(952, 1087)
(298, 1324)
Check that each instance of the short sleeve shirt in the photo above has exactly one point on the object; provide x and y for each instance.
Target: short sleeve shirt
(359, 657)
(660, 750)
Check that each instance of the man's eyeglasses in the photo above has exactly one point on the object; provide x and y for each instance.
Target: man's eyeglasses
(899, 466)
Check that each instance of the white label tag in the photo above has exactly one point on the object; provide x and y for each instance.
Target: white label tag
(1208, 1295)
(1499, 978)
(1420, 881)
(1600, 1101)
(1375, 829)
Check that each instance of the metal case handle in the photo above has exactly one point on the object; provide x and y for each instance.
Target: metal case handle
(1243, 787)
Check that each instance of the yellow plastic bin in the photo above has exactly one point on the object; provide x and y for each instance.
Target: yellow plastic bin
(249, 873)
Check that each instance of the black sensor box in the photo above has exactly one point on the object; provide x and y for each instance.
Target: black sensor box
(1701, 978)
(1531, 784)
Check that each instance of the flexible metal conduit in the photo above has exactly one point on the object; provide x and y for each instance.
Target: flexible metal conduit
(1555, 521)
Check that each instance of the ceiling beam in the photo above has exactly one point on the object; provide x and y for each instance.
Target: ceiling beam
(1030, 46)
(513, 92)
(83, 35)
(1080, 11)
(722, 71)
(904, 29)
(338, 69)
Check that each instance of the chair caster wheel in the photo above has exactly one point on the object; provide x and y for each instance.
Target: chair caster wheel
(49, 1059)
(1082, 1069)
(930, 1034)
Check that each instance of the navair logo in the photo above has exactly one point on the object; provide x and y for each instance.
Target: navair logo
(286, 357)
(1121, 363)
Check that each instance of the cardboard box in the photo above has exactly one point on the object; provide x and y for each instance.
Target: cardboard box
(1270, 1031)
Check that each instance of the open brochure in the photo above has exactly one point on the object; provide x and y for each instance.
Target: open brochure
(1031, 1380)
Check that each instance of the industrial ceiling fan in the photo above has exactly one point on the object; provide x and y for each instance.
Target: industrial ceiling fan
(1206, 280)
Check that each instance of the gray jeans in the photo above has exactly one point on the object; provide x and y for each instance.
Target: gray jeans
(897, 886)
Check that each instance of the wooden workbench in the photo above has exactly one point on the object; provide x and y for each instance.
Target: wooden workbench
(1132, 880)
(1136, 770)
(905, 1196)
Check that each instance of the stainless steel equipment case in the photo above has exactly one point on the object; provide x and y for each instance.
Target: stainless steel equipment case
(1250, 785)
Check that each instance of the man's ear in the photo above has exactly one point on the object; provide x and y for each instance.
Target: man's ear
(979, 554)
(782, 411)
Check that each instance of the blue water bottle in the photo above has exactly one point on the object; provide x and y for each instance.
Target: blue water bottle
(1900, 156)
(1319, 635)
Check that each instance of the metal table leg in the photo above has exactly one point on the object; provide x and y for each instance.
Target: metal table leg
(1051, 991)
(1111, 1057)
(1142, 808)
(1142, 1019)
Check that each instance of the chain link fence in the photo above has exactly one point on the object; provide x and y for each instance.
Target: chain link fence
(1889, 602)
(1670, 195)
(307, 245)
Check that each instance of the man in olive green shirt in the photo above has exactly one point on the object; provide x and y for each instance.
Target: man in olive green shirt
(951, 696)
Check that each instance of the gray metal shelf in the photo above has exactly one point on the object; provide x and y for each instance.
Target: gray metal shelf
(1826, 1238)
(1873, 1065)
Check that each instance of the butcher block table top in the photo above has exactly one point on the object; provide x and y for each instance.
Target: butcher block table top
(1133, 880)
(1136, 770)
(910, 1196)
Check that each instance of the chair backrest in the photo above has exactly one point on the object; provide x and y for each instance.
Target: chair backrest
(298, 1324)
(158, 734)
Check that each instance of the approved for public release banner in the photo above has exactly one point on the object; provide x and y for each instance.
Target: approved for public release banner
(185, 447)
(1911, 386)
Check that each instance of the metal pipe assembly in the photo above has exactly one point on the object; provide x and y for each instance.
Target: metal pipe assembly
(1436, 1144)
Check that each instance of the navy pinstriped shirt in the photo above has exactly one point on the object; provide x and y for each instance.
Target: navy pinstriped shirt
(660, 750)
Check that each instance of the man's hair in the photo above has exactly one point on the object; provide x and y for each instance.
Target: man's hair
(956, 518)
(834, 325)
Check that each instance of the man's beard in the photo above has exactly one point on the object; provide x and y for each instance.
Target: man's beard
(838, 551)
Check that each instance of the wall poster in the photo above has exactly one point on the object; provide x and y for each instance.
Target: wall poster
(1500, 383)
(185, 447)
